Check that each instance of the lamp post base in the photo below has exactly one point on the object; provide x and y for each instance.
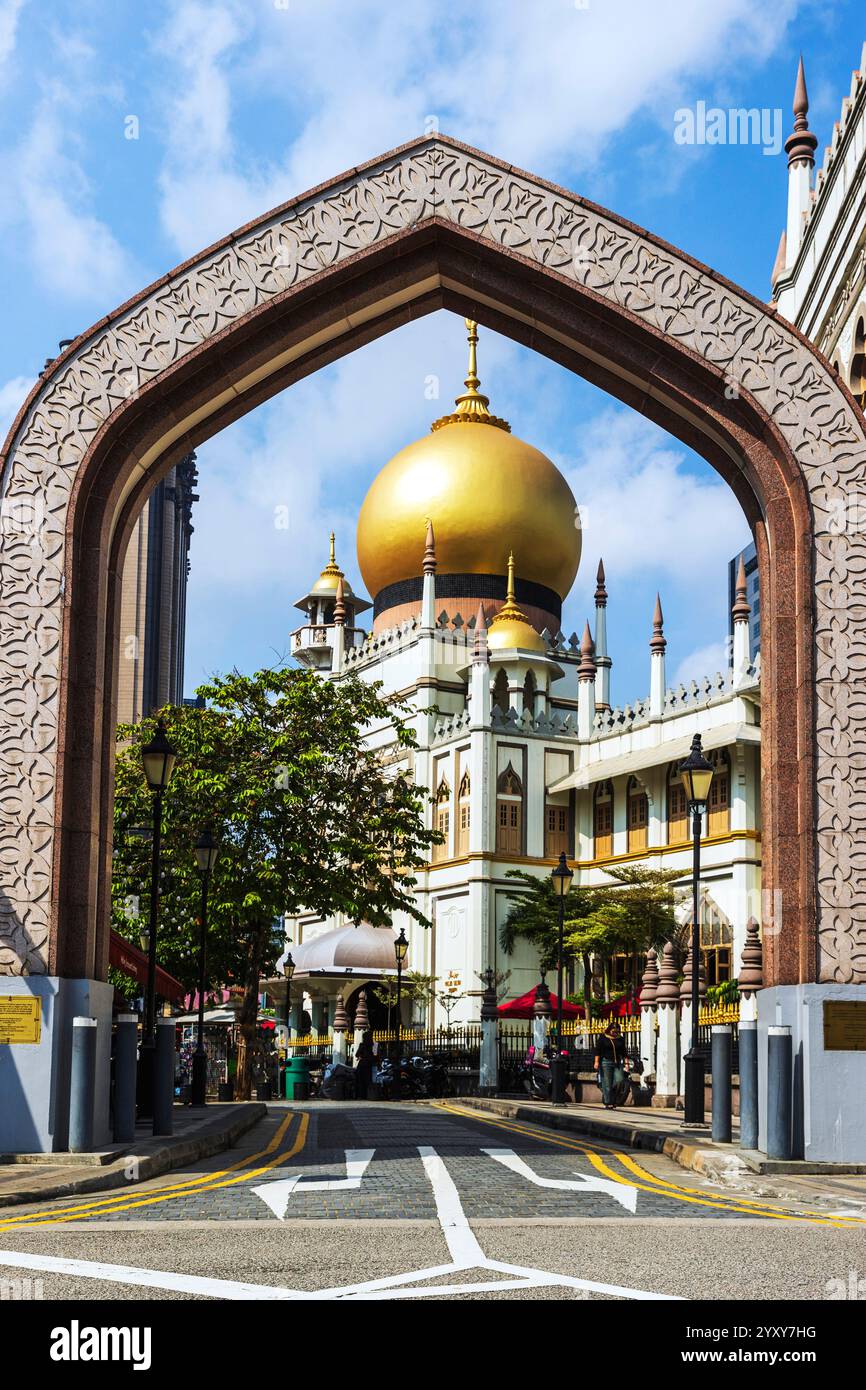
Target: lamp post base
(199, 1078)
(694, 1072)
(558, 1079)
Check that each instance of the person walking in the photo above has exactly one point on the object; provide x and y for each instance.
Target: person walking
(612, 1065)
(364, 1067)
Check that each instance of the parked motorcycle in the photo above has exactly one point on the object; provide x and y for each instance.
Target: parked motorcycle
(338, 1082)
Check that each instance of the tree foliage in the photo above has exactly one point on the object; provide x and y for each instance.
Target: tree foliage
(307, 816)
(629, 915)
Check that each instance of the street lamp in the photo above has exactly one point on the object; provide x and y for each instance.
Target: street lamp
(158, 758)
(401, 950)
(562, 876)
(697, 775)
(288, 972)
(206, 851)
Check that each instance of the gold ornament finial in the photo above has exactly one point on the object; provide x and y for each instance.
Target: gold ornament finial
(333, 559)
(511, 627)
(472, 405)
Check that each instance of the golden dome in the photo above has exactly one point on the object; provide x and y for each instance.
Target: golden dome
(511, 628)
(481, 487)
(326, 584)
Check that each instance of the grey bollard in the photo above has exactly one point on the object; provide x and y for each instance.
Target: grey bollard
(748, 1039)
(125, 1076)
(163, 1077)
(721, 1065)
(82, 1085)
(779, 1095)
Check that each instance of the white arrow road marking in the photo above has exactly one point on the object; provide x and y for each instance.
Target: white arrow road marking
(276, 1195)
(623, 1193)
(463, 1247)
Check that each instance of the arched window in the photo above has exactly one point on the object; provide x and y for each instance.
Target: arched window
(717, 942)
(602, 820)
(678, 817)
(638, 815)
(500, 692)
(529, 689)
(442, 819)
(509, 813)
(463, 814)
(719, 804)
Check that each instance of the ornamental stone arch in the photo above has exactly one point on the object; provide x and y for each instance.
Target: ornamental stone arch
(432, 225)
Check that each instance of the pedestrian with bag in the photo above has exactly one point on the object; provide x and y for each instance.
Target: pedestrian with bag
(611, 1065)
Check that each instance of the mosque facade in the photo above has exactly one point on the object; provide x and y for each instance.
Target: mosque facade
(469, 541)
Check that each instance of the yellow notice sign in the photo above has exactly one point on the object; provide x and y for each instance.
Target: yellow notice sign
(20, 1018)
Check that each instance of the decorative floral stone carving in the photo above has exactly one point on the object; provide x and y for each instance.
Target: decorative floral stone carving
(756, 351)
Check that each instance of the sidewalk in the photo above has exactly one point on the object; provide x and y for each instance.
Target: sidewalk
(199, 1132)
(659, 1131)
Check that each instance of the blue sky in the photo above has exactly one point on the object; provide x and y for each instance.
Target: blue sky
(241, 104)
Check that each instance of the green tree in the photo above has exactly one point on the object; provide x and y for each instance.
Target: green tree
(307, 815)
(629, 915)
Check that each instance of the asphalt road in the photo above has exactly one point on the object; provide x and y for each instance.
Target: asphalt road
(373, 1201)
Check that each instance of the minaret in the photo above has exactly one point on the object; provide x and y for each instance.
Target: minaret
(586, 676)
(602, 660)
(800, 146)
(428, 596)
(658, 643)
(479, 675)
(741, 613)
(338, 638)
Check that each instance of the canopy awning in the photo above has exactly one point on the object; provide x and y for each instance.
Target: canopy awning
(524, 1007)
(128, 958)
(673, 750)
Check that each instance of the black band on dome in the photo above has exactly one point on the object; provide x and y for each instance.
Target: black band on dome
(469, 586)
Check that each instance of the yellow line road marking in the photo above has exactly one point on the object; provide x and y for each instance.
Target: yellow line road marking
(205, 1183)
(660, 1187)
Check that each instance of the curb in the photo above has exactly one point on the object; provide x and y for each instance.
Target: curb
(212, 1139)
(712, 1163)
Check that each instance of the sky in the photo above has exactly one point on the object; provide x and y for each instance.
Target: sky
(132, 136)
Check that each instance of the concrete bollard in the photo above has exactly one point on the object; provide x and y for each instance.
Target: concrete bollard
(82, 1085)
(722, 1075)
(125, 1067)
(163, 1077)
(748, 1038)
(488, 1079)
(779, 1093)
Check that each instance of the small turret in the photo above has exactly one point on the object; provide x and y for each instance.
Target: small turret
(800, 148)
(328, 604)
(602, 659)
(658, 644)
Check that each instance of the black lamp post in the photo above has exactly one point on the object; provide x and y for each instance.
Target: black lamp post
(401, 950)
(206, 851)
(158, 758)
(288, 972)
(697, 775)
(562, 877)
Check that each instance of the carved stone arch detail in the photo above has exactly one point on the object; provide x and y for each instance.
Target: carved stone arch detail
(432, 225)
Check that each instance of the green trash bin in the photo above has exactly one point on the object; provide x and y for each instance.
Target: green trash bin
(297, 1078)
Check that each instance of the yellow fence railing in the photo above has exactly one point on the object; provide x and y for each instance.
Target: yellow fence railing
(720, 1013)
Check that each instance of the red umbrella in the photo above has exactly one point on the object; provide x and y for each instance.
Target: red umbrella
(524, 1007)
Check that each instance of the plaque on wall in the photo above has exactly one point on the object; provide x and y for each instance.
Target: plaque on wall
(844, 1025)
(20, 1018)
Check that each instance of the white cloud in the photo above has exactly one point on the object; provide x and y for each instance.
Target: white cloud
(702, 662)
(350, 81)
(9, 13)
(12, 395)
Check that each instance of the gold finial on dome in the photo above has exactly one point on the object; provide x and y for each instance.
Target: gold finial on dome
(331, 575)
(472, 405)
(511, 627)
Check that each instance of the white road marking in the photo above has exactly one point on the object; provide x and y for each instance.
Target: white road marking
(466, 1254)
(277, 1195)
(623, 1193)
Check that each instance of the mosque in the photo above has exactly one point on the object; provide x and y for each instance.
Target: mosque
(469, 540)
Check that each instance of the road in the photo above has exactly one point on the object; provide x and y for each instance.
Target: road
(414, 1201)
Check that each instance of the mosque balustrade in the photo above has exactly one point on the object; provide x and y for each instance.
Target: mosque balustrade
(322, 635)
